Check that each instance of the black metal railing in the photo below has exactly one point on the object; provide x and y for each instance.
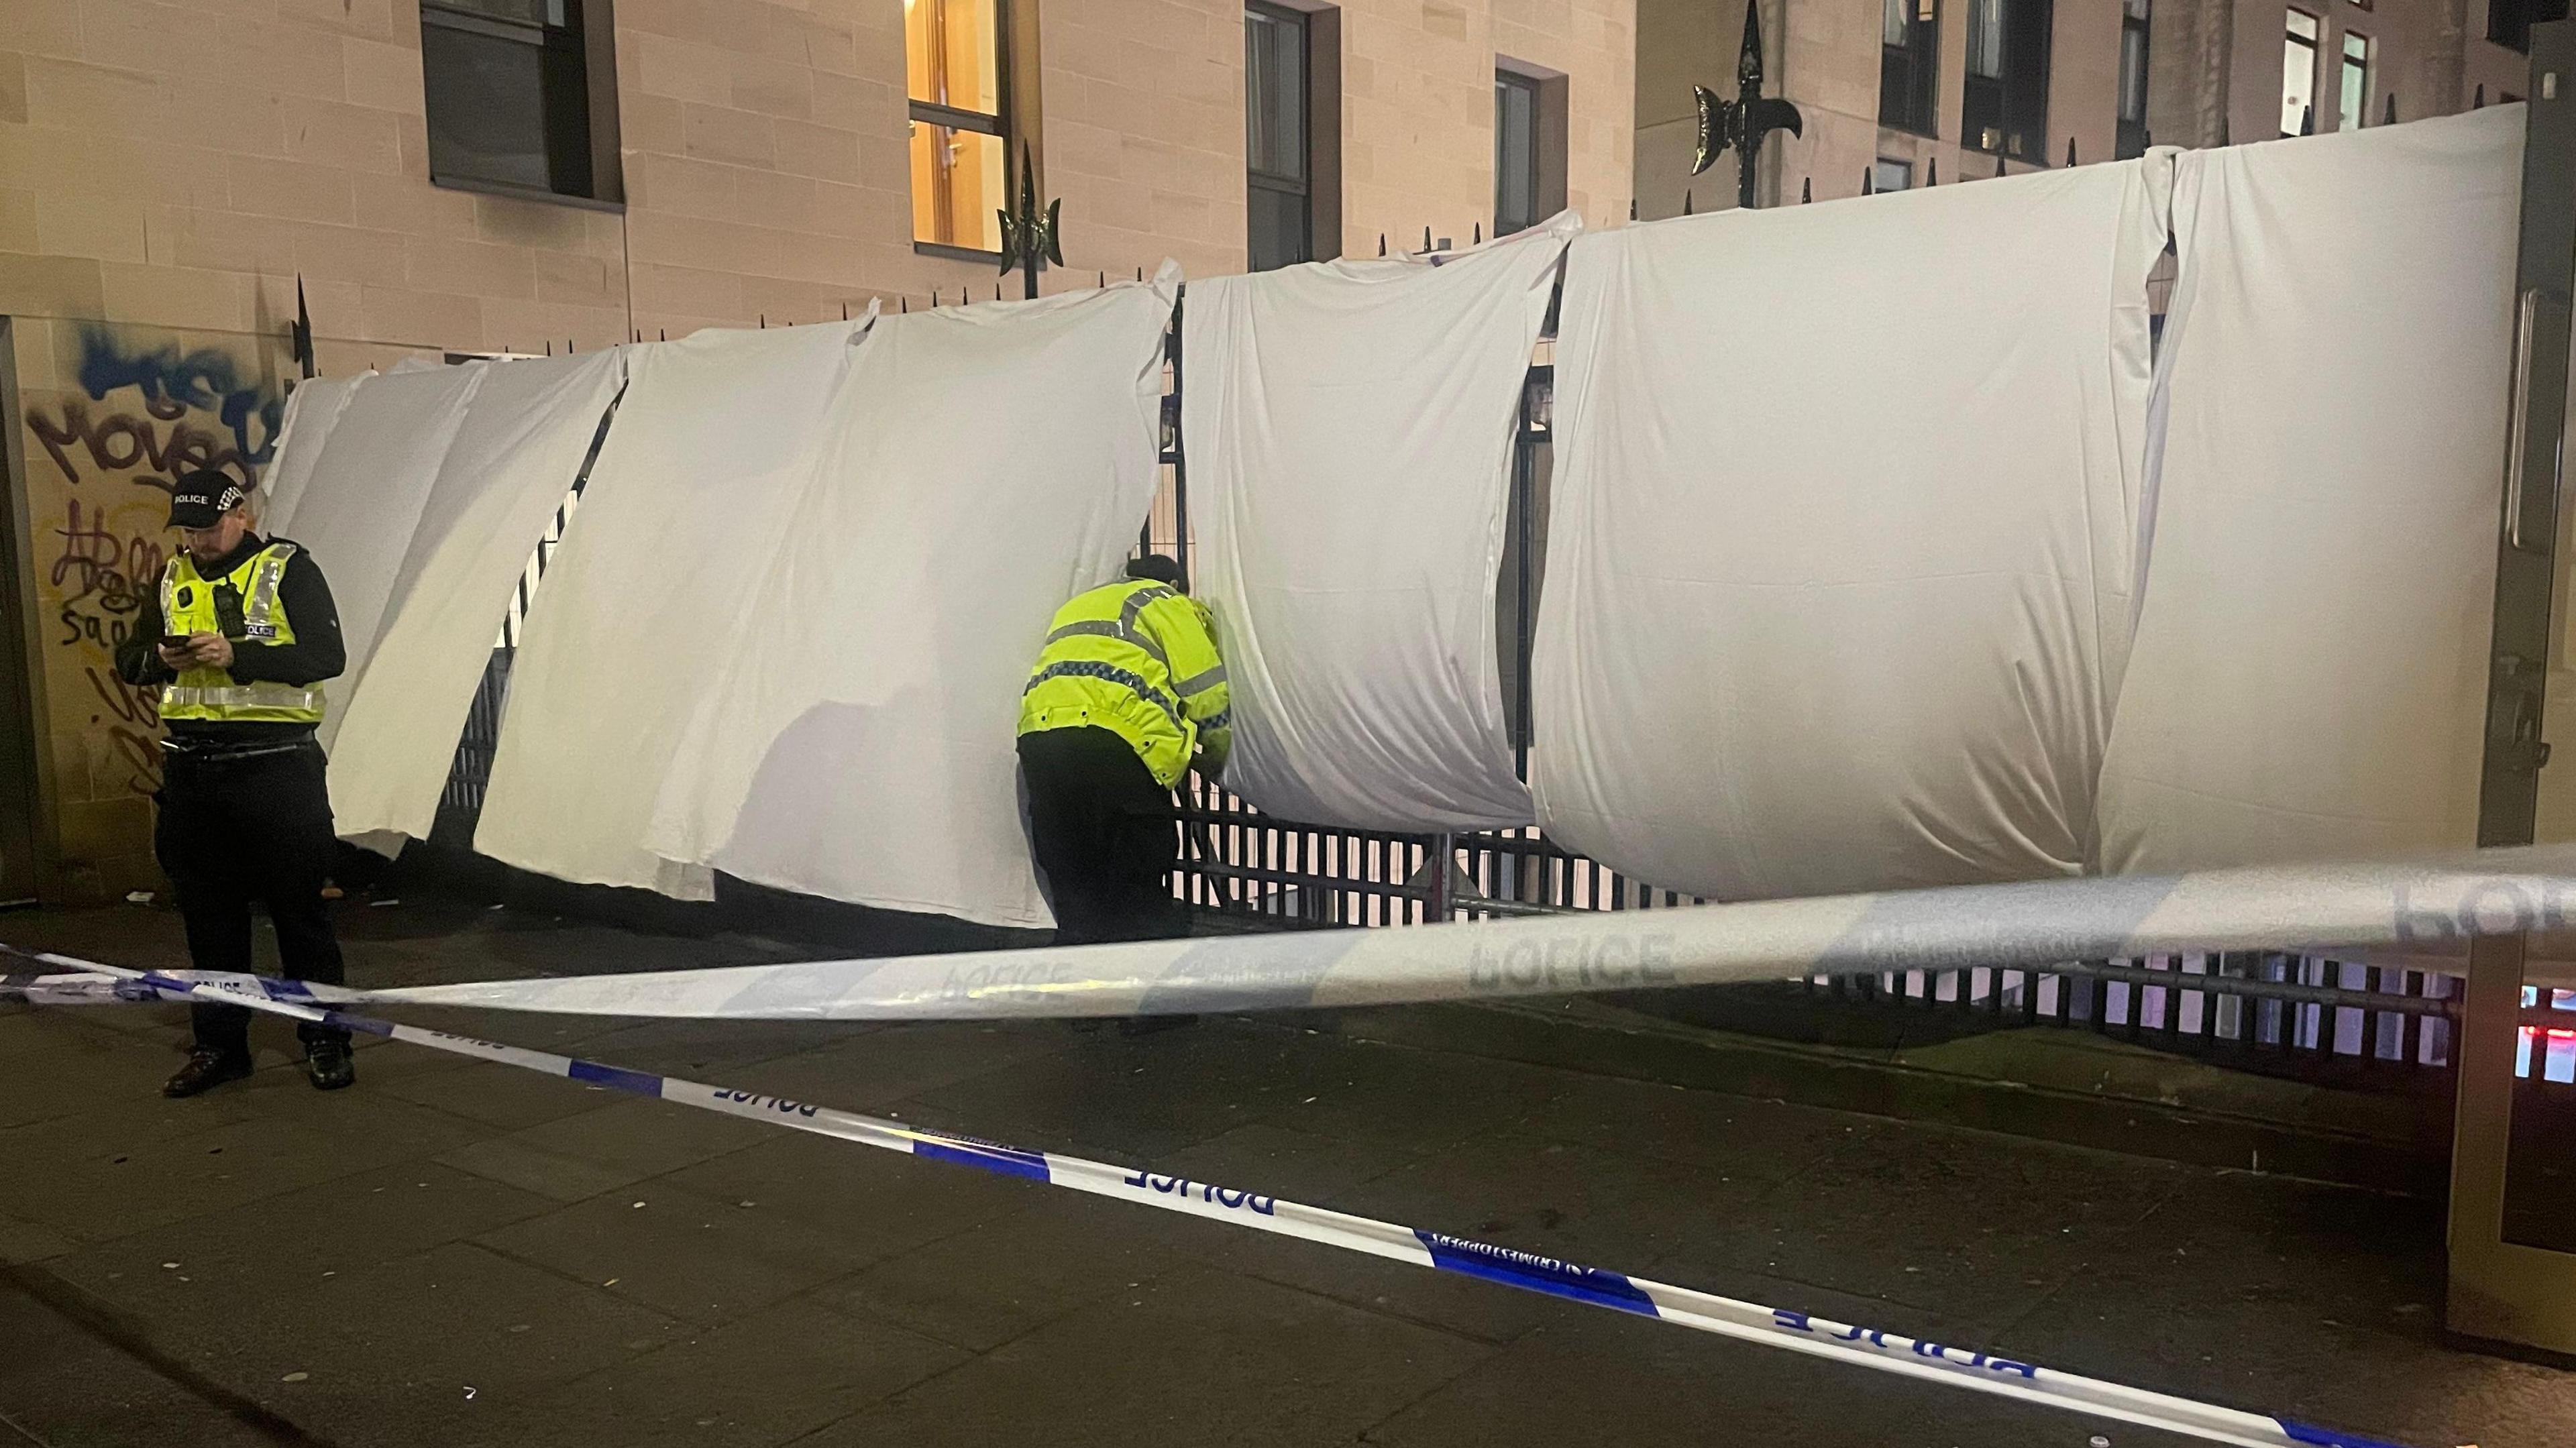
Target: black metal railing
(2265, 1011)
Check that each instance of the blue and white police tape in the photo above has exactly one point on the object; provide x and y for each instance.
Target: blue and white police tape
(2417, 909)
(1726, 1316)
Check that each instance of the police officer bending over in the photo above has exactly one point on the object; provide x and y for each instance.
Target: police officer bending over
(1127, 691)
(240, 636)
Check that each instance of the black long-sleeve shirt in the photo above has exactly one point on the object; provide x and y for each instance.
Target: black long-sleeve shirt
(316, 654)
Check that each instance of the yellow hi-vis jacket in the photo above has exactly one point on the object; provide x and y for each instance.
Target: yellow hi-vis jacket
(1139, 659)
(188, 607)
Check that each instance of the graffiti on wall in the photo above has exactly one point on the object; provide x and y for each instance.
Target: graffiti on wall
(142, 409)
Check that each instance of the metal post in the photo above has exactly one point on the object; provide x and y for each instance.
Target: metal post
(2499, 1290)
(1180, 458)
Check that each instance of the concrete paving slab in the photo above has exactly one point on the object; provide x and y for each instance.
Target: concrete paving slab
(697, 1048)
(1280, 1161)
(1976, 1226)
(1744, 1139)
(873, 1203)
(1005, 1277)
(204, 1268)
(60, 1387)
(770, 1378)
(94, 1191)
(633, 1139)
(1130, 1097)
(1375, 1092)
(547, 1174)
(697, 1258)
(1194, 1356)
(59, 1065)
(504, 1097)
(874, 1071)
(387, 1354)
(25, 1241)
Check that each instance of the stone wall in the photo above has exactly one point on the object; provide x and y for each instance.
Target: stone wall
(109, 415)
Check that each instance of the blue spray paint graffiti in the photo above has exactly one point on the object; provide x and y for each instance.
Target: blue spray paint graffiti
(163, 442)
(174, 383)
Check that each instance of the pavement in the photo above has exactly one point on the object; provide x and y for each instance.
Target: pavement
(458, 1253)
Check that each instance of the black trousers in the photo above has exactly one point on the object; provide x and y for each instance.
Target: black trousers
(1104, 836)
(237, 830)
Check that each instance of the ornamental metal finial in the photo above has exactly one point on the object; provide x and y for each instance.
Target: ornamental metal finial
(1743, 123)
(1030, 237)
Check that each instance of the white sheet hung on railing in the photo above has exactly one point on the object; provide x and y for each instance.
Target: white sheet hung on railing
(1349, 429)
(357, 512)
(312, 410)
(682, 519)
(2310, 671)
(513, 460)
(1842, 539)
(980, 466)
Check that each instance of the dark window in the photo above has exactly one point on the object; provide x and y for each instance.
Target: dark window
(2133, 79)
(2509, 22)
(2004, 105)
(1909, 64)
(961, 164)
(511, 96)
(1516, 153)
(1281, 223)
(1529, 145)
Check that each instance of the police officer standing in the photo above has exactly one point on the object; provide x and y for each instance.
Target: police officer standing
(1128, 689)
(240, 635)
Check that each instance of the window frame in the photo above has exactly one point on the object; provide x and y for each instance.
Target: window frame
(2016, 95)
(2344, 68)
(1528, 87)
(1319, 190)
(2315, 45)
(1915, 107)
(2137, 21)
(999, 124)
(1548, 95)
(1269, 181)
(587, 39)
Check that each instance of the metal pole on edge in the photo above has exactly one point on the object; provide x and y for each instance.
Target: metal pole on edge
(2501, 1291)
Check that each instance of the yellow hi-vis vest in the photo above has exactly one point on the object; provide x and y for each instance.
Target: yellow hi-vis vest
(1139, 659)
(188, 607)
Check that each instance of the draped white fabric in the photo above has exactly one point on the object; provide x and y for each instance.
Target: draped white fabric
(312, 410)
(2309, 680)
(1349, 428)
(680, 522)
(981, 465)
(512, 462)
(357, 512)
(1842, 536)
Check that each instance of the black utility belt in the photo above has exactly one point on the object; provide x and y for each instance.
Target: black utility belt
(193, 751)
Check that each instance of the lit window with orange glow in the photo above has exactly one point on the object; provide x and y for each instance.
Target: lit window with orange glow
(960, 163)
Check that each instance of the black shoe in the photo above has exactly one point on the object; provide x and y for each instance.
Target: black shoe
(207, 1068)
(327, 1065)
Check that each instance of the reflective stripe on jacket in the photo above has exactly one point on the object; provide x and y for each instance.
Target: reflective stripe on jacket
(1137, 658)
(188, 607)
